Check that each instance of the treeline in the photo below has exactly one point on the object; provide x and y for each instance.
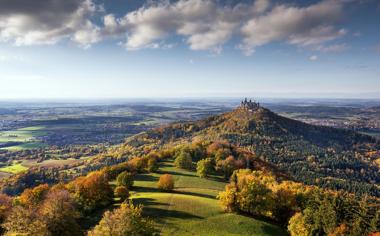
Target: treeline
(303, 209)
(60, 209)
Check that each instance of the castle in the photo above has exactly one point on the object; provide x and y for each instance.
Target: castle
(249, 105)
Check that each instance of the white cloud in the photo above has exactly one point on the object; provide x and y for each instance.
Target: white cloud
(304, 26)
(313, 58)
(26, 22)
(333, 48)
(203, 24)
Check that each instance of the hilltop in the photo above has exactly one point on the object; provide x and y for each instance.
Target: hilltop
(317, 155)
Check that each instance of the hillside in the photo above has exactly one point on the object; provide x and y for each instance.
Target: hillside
(192, 209)
(324, 156)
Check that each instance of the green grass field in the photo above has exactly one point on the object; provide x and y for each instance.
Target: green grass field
(14, 169)
(27, 137)
(192, 209)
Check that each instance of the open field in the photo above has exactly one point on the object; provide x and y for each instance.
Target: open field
(192, 209)
(50, 163)
(23, 138)
(14, 169)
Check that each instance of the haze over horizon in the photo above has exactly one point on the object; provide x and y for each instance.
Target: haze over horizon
(101, 49)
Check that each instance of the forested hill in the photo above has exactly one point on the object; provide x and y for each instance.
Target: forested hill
(324, 156)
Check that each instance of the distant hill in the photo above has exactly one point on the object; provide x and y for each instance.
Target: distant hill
(324, 156)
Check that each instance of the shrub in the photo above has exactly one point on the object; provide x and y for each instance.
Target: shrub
(125, 179)
(166, 182)
(121, 192)
(184, 160)
(204, 167)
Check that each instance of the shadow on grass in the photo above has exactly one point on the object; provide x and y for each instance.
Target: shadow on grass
(145, 189)
(165, 164)
(159, 212)
(195, 194)
(146, 177)
(217, 179)
(149, 202)
(270, 230)
(175, 173)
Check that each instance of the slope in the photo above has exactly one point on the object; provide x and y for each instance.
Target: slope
(323, 156)
(192, 209)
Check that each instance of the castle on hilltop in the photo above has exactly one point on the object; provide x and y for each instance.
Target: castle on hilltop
(249, 105)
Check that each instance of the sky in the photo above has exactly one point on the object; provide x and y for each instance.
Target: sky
(189, 48)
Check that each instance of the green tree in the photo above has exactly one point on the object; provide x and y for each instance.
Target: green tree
(125, 179)
(152, 164)
(204, 167)
(183, 160)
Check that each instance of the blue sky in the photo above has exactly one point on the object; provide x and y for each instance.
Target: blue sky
(189, 48)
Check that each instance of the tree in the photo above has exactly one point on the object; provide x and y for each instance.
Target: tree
(91, 191)
(228, 166)
(32, 197)
(23, 221)
(228, 198)
(126, 220)
(59, 213)
(184, 160)
(297, 225)
(204, 167)
(125, 179)
(5, 206)
(166, 182)
(152, 164)
(121, 192)
(285, 203)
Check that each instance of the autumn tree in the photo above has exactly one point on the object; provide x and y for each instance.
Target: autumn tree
(166, 182)
(24, 221)
(32, 197)
(297, 225)
(91, 191)
(5, 207)
(227, 198)
(121, 192)
(59, 213)
(285, 202)
(228, 166)
(126, 220)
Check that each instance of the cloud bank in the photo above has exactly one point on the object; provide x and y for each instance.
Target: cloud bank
(201, 24)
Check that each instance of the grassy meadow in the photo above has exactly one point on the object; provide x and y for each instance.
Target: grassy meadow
(192, 208)
(15, 168)
(23, 138)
